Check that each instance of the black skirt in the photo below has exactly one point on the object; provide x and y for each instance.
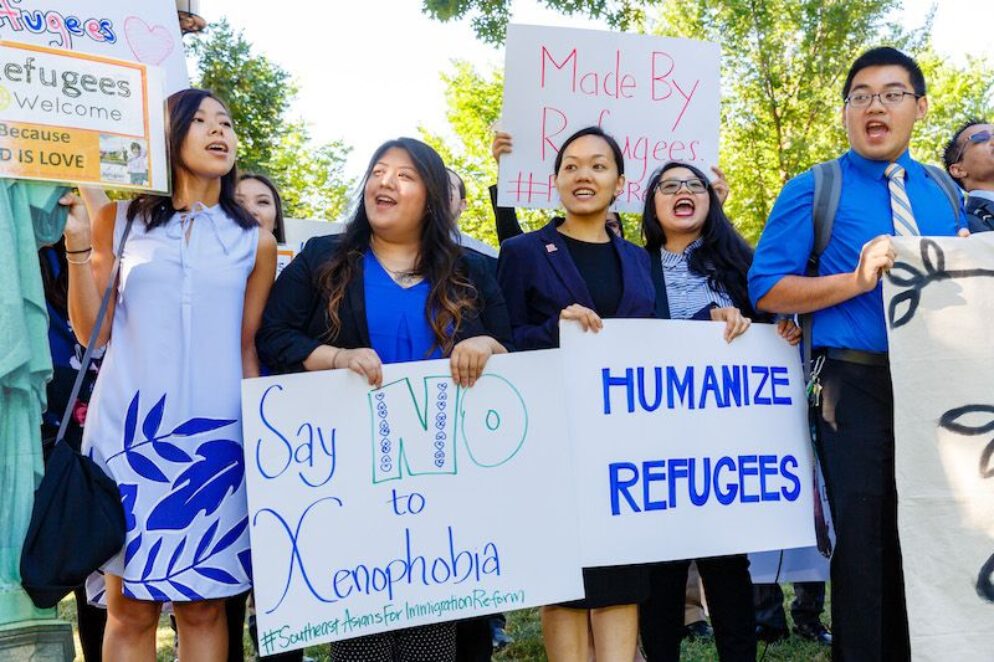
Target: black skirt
(611, 586)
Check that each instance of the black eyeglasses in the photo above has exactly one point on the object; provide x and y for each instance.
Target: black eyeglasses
(888, 98)
(671, 186)
(978, 138)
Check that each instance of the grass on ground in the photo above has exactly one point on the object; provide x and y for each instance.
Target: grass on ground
(526, 630)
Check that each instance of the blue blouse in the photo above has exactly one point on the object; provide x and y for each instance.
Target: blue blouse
(395, 315)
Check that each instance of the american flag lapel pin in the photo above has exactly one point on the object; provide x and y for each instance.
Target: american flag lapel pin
(550, 248)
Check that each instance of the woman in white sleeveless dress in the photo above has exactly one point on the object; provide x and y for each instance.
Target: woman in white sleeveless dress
(164, 420)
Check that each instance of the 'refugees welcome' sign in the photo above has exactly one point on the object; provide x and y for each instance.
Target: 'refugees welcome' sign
(82, 119)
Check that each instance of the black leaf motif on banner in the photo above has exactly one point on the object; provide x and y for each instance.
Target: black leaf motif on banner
(972, 421)
(902, 307)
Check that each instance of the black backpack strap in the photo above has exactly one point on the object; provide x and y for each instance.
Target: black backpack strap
(91, 346)
(953, 192)
(827, 193)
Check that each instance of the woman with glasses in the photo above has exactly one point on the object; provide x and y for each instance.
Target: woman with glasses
(575, 269)
(699, 265)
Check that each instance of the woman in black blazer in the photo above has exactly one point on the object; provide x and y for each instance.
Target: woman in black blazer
(574, 269)
(396, 286)
(699, 265)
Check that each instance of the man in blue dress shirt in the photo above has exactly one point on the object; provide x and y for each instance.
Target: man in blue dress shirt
(884, 193)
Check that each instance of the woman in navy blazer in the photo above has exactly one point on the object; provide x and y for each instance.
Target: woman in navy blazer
(396, 286)
(574, 269)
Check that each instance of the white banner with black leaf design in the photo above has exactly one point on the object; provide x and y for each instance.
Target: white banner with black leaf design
(939, 300)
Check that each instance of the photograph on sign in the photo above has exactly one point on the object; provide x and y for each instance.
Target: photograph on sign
(691, 446)
(659, 97)
(379, 509)
(80, 119)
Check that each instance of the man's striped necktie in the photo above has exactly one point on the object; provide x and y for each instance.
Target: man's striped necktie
(900, 206)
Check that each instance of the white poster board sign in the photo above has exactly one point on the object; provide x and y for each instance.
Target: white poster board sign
(659, 97)
(687, 446)
(939, 302)
(145, 31)
(103, 126)
(420, 502)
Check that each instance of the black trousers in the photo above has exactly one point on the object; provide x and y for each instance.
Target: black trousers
(856, 449)
(806, 607)
(474, 642)
(92, 622)
(728, 588)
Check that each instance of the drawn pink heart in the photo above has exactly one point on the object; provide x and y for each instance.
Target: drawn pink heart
(151, 45)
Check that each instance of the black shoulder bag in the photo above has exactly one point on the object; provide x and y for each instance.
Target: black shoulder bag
(77, 522)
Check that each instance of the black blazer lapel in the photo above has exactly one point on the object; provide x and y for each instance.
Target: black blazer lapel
(556, 252)
(662, 308)
(355, 302)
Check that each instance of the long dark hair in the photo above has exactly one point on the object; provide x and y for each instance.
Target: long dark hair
(723, 257)
(452, 296)
(156, 210)
(279, 231)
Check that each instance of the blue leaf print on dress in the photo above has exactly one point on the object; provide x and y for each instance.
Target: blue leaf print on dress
(185, 590)
(200, 425)
(171, 452)
(202, 487)
(132, 549)
(245, 558)
(156, 594)
(153, 419)
(175, 557)
(131, 421)
(205, 542)
(150, 562)
(218, 575)
(129, 495)
(145, 468)
(230, 537)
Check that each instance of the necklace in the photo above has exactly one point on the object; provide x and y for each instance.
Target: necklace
(403, 277)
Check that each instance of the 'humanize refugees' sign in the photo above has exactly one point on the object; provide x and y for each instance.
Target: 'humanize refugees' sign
(659, 97)
(71, 117)
(416, 503)
(939, 303)
(685, 445)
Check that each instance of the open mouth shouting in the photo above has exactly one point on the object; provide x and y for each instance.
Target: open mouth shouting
(876, 130)
(684, 207)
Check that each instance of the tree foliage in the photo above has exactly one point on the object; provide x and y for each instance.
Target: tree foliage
(489, 18)
(474, 104)
(258, 93)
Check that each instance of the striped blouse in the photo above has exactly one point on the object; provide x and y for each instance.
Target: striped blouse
(688, 292)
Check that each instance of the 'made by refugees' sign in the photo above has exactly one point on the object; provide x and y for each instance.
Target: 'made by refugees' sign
(421, 501)
(659, 97)
(77, 118)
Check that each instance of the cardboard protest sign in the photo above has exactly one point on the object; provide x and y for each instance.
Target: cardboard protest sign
(939, 302)
(686, 446)
(72, 117)
(657, 96)
(415, 503)
(146, 31)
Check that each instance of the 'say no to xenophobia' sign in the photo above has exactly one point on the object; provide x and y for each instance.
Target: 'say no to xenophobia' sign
(83, 119)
